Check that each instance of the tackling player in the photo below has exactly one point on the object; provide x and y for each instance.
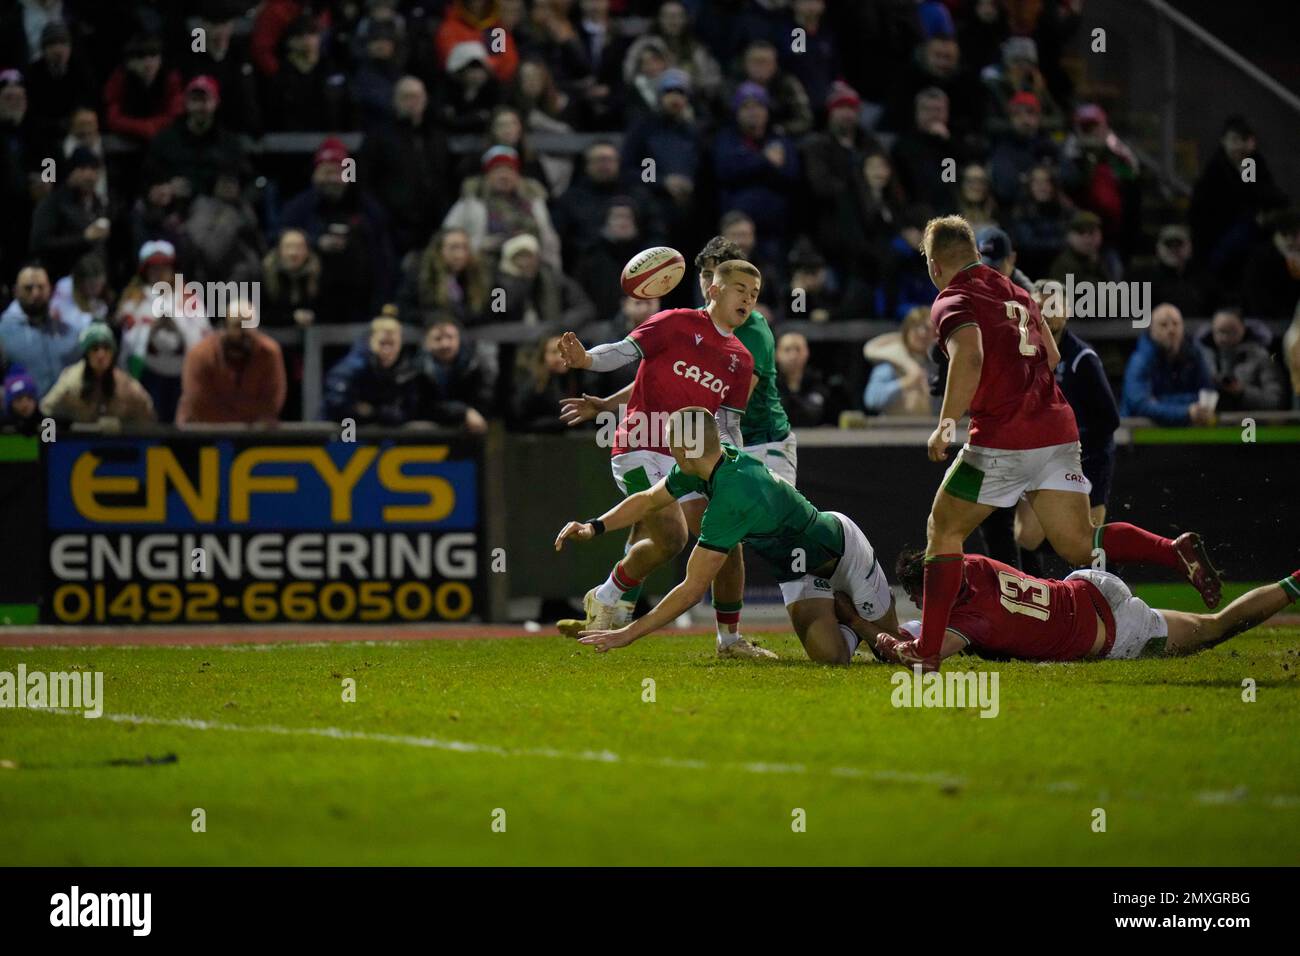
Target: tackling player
(1023, 436)
(1002, 613)
(691, 357)
(812, 553)
(765, 431)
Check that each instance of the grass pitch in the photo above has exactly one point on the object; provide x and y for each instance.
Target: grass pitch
(445, 735)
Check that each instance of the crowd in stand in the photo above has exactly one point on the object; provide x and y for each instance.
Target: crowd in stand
(819, 137)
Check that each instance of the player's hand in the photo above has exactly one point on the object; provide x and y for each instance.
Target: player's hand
(886, 648)
(607, 640)
(575, 411)
(577, 530)
(936, 446)
(909, 653)
(575, 356)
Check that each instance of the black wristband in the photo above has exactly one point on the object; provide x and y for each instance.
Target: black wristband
(597, 525)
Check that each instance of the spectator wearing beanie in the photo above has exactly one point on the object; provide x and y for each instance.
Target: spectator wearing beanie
(57, 82)
(140, 97)
(757, 170)
(502, 205)
(236, 375)
(95, 388)
(790, 112)
(465, 102)
(71, 221)
(536, 294)
(471, 21)
(22, 398)
(671, 138)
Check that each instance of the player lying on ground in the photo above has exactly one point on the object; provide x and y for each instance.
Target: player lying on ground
(812, 553)
(688, 357)
(765, 430)
(1002, 613)
(1023, 435)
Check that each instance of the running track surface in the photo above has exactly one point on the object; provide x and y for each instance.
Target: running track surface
(253, 634)
(290, 634)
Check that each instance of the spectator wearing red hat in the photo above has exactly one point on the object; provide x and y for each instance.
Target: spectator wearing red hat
(227, 58)
(1019, 149)
(349, 231)
(501, 205)
(1018, 73)
(757, 171)
(1101, 174)
(192, 150)
(477, 21)
(306, 94)
(833, 173)
(140, 97)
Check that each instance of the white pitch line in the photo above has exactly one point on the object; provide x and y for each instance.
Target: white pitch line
(469, 747)
(1057, 788)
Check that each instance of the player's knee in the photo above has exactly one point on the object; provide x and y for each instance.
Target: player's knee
(828, 653)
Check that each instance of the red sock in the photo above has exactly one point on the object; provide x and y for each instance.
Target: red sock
(943, 576)
(1124, 543)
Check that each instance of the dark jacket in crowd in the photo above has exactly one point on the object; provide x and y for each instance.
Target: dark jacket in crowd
(360, 389)
(550, 298)
(359, 279)
(1223, 211)
(808, 407)
(1269, 291)
(59, 226)
(444, 393)
(1249, 363)
(1083, 382)
(535, 410)
(1184, 289)
(407, 168)
(579, 214)
(177, 151)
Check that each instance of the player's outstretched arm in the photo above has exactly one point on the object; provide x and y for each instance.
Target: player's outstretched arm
(1189, 633)
(623, 515)
(575, 411)
(572, 351)
(702, 568)
(965, 363)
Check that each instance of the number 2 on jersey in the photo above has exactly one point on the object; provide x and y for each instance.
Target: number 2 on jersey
(1018, 313)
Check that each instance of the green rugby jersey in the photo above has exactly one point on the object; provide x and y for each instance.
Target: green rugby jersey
(748, 503)
(765, 419)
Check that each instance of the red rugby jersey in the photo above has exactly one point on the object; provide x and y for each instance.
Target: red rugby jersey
(1017, 404)
(685, 361)
(1003, 612)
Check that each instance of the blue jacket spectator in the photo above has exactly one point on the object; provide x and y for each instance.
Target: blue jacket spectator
(1166, 373)
(31, 337)
(757, 171)
(372, 384)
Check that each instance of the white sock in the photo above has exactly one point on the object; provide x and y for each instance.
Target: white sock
(726, 638)
(850, 638)
(609, 592)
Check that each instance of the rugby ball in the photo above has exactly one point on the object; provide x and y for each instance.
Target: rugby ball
(653, 273)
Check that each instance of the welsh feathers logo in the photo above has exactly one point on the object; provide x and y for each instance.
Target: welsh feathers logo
(734, 359)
